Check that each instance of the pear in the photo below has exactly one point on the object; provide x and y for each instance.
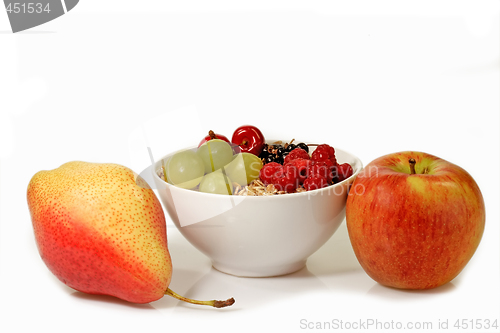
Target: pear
(100, 229)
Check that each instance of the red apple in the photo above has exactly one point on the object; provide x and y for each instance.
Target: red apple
(414, 220)
(249, 138)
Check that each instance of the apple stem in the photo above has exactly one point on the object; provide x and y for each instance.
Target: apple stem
(243, 143)
(212, 135)
(412, 165)
(214, 303)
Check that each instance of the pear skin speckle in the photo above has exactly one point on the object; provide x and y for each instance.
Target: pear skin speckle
(101, 230)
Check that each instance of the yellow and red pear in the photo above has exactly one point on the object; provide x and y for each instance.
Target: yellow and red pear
(101, 230)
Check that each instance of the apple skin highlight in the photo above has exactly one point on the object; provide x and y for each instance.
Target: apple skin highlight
(414, 231)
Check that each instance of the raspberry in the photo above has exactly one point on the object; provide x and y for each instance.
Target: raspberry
(314, 182)
(322, 168)
(302, 166)
(286, 179)
(327, 149)
(296, 153)
(344, 171)
(267, 172)
(324, 152)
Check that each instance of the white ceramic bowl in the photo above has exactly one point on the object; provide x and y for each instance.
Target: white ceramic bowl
(258, 236)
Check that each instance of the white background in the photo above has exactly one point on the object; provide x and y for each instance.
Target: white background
(108, 80)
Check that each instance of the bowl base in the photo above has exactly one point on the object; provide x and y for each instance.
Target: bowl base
(260, 272)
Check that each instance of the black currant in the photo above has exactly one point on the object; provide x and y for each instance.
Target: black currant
(263, 155)
(290, 147)
(279, 159)
(303, 146)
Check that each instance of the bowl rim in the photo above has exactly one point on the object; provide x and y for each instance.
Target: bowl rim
(287, 195)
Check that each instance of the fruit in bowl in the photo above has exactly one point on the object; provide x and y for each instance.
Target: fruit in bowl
(215, 154)
(244, 168)
(185, 169)
(287, 168)
(249, 138)
(257, 235)
(212, 135)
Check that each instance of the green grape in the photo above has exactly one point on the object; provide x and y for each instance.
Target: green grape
(216, 182)
(185, 169)
(215, 154)
(244, 168)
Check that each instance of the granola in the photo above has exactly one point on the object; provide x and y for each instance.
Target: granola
(257, 188)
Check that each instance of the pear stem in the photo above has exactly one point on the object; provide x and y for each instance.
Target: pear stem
(214, 303)
(412, 165)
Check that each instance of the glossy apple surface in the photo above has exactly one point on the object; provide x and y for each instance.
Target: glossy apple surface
(414, 231)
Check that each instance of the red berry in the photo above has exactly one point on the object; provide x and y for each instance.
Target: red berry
(319, 155)
(322, 168)
(324, 152)
(249, 138)
(286, 179)
(344, 171)
(314, 182)
(332, 169)
(326, 149)
(295, 154)
(302, 166)
(267, 172)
